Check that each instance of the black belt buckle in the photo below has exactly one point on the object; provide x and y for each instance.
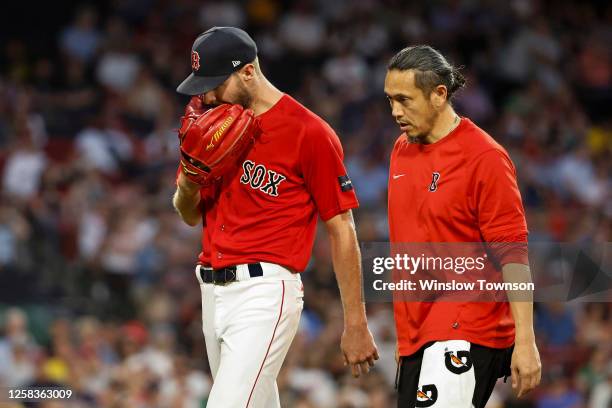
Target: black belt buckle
(228, 275)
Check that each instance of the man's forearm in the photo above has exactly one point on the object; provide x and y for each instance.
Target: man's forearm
(525, 366)
(186, 203)
(357, 343)
(521, 301)
(347, 267)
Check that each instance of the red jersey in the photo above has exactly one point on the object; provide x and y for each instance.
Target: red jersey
(267, 209)
(460, 189)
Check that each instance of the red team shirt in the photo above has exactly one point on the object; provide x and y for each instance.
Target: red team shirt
(475, 198)
(267, 209)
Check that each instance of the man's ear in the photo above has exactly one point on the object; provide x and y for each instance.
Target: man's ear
(247, 72)
(438, 96)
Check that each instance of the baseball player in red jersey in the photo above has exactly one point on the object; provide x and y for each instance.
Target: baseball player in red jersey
(259, 227)
(450, 181)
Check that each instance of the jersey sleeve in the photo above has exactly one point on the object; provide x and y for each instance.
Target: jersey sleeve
(326, 178)
(208, 209)
(501, 217)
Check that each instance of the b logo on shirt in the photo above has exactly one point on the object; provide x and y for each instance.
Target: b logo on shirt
(255, 175)
(434, 181)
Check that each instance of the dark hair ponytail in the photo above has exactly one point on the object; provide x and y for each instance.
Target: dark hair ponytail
(458, 81)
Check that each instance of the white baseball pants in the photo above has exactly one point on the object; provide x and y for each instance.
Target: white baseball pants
(248, 327)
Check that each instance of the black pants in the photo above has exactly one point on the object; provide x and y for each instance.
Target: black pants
(453, 374)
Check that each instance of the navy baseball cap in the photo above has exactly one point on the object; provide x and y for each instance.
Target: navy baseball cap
(215, 55)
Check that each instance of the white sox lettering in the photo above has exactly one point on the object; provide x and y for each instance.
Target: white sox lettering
(274, 179)
(254, 176)
(258, 176)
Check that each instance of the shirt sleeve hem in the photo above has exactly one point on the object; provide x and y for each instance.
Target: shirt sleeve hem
(514, 232)
(325, 216)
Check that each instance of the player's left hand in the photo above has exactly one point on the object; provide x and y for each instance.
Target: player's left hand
(359, 349)
(526, 367)
(213, 141)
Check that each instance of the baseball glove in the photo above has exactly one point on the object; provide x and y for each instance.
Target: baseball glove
(213, 141)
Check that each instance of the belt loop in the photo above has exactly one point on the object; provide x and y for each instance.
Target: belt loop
(198, 275)
(255, 270)
(242, 273)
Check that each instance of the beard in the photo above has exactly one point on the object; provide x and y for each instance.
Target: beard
(428, 124)
(243, 97)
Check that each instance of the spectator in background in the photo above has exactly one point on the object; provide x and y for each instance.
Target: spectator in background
(595, 371)
(103, 145)
(82, 39)
(118, 66)
(26, 161)
(555, 325)
(301, 30)
(227, 13)
(23, 170)
(18, 351)
(558, 392)
(369, 176)
(602, 392)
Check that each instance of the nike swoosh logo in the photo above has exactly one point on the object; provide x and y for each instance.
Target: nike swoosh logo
(396, 176)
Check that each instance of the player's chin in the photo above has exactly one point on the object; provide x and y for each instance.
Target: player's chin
(411, 131)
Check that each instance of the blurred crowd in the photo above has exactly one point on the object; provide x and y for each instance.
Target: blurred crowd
(97, 291)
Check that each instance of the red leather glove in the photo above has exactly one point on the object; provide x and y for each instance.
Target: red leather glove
(214, 141)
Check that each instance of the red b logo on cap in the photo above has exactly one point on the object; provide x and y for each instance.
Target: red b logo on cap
(195, 60)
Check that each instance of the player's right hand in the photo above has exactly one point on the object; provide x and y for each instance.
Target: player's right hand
(359, 349)
(526, 367)
(195, 106)
(187, 186)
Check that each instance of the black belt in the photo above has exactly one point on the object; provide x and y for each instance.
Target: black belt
(227, 274)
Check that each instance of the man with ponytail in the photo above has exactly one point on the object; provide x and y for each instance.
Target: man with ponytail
(450, 182)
